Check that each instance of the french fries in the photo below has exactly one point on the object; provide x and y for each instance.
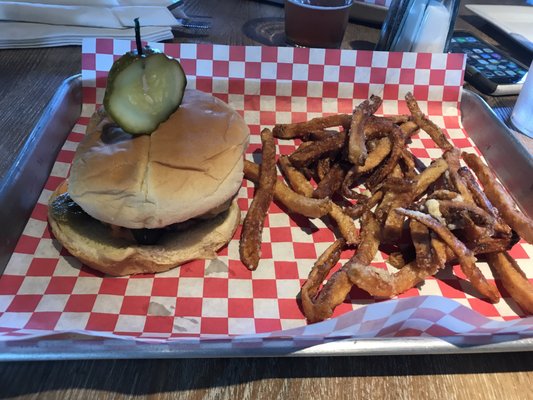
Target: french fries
(422, 241)
(313, 151)
(301, 129)
(501, 200)
(465, 256)
(330, 183)
(426, 124)
(513, 279)
(380, 151)
(357, 151)
(296, 179)
(306, 206)
(252, 228)
(316, 310)
(359, 168)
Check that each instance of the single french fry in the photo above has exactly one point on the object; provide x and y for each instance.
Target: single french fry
(250, 241)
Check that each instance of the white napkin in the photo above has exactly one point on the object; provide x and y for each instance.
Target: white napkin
(27, 34)
(148, 16)
(59, 15)
(102, 17)
(47, 23)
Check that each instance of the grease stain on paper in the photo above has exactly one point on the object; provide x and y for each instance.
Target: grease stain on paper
(216, 266)
(185, 324)
(159, 309)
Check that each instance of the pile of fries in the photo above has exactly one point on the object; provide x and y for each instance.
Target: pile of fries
(357, 170)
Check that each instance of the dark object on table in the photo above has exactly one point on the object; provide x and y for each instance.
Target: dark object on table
(488, 69)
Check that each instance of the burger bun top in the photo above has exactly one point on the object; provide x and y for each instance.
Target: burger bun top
(191, 164)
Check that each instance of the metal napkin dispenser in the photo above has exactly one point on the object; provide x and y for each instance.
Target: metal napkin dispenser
(418, 26)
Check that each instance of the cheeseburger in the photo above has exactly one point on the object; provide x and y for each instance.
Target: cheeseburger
(143, 203)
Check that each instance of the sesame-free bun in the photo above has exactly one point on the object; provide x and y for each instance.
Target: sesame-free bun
(191, 164)
(95, 245)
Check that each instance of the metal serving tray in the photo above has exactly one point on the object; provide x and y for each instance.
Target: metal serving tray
(24, 182)
(87, 348)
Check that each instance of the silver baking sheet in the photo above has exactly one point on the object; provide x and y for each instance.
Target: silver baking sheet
(505, 154)
(508, 158)
(25, 180)
(85, 348)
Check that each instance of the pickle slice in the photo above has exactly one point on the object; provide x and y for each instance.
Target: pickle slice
(144, 90)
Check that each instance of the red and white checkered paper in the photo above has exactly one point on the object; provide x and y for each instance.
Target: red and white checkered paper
(44, 290)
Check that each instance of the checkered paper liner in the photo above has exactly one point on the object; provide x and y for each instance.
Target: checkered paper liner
(44, 290)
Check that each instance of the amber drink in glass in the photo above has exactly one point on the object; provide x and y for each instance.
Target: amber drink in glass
(316, 23)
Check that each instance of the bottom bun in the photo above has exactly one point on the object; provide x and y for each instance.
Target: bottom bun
(94, 245)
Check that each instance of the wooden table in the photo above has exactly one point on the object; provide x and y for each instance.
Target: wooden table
(29, 78)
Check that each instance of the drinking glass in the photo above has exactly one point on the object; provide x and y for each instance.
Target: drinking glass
(522, 116)
(316, 23)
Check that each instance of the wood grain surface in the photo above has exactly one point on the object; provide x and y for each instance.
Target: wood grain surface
(30, 77)
(473, 377)
(28, 80)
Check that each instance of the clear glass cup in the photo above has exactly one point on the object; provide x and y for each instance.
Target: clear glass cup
(316, 23)
(522, 116)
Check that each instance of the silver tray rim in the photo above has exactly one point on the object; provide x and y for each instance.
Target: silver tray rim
(82, 346)
(98, 348)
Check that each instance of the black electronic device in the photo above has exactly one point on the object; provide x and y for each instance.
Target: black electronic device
(488, 69)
